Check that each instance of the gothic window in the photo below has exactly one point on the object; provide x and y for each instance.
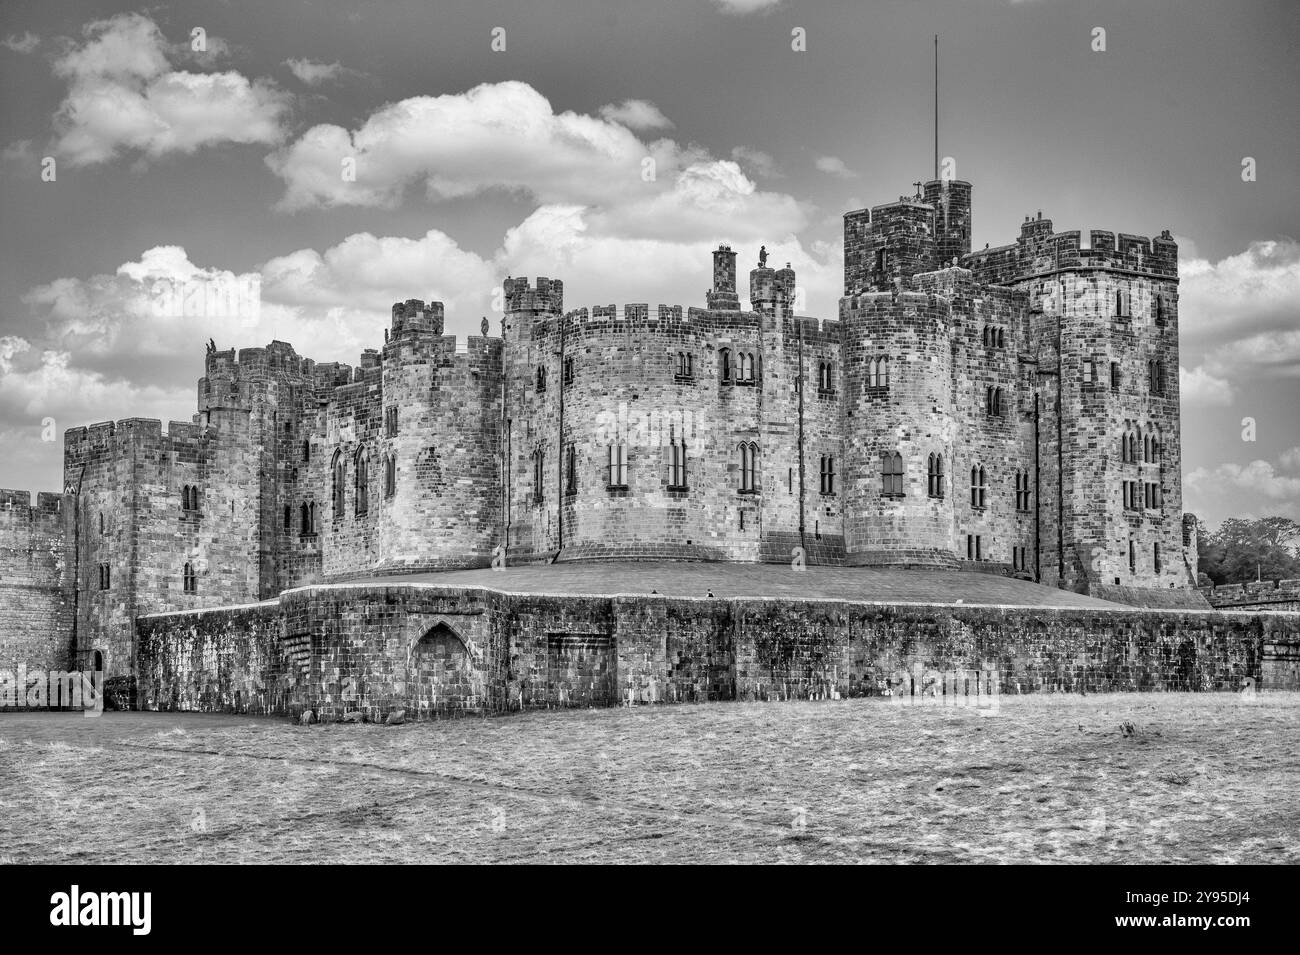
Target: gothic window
(677, 464)
(617, 464)
(568, 371)
(993, 402)
(541, 377)
(390, 475)
(878, 372)
(824, 377)
(828, 474)
(685, 365)
(1022, 490)
(749, 468)
(724, 365)
(891, 474)
(745, 366)
(189, 581)
(390, 421)
(978, 486)
(361, 480)
(1001, 342)
(337, 469)
(1114, 376)
(934, 476)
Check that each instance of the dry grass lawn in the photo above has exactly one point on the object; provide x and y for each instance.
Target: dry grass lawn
(1200, 778)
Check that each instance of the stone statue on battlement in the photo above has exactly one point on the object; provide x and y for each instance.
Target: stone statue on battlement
(483, 327)
(762, 256)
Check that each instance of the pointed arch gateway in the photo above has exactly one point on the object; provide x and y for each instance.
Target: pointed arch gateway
(443, 676)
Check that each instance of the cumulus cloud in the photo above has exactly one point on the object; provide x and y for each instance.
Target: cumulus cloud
(1198, 388)
(636, 114)
(124, 96)
(1257, 489)
(834, 166)
(1254, 291)
(506, 137)
(314, 74)
(21, 44)
(757, 162)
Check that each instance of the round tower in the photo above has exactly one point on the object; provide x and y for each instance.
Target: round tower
(898, 430)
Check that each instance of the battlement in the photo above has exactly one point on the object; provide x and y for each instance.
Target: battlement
(1040, 251)
(47, 502)
(413, 317)
(547, 296)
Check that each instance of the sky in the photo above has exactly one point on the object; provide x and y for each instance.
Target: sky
(613, 144)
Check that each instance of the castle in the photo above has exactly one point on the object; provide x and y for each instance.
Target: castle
(1010, 410)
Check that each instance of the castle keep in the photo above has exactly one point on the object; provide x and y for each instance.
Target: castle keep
(1011, 410)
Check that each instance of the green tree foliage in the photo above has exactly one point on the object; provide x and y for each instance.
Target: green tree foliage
(1241, 551)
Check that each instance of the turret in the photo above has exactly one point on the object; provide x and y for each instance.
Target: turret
(722, 297)
(951, 199)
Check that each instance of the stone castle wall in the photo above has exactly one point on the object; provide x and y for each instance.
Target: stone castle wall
(35, 592)
(444, 651)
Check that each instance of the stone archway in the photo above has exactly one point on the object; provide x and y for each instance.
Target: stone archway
(444, 678)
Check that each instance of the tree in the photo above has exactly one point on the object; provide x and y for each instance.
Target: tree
(1241, 550)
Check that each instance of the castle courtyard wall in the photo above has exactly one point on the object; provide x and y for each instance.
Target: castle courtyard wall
(437, 651)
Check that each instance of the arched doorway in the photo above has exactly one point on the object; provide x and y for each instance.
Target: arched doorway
(443, 678)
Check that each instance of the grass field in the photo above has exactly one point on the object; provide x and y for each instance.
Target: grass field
(1195, 778)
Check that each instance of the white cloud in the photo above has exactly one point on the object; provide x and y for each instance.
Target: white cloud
(636, 114)
(1290, 459)
(1200, 389)
(741, 7)
(757, 162)
(1252, 291)
(834, 166)
(506, 137)
(1256, 489)
(313, 73)
(21, 44)
(123, 96)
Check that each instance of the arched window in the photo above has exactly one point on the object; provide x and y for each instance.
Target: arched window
(749, 467)
(189, 582)
(337, 478)
(978, 486)
(934, 476)
(539, 475)
(745, 366)
(878, 372)
(677, 465)
(1022, 490)
(891, 474)
(724, 364)
(304, 519)
(617, 464)
(101, 523)
(361, 483)
(825, 377)
(541, 377)
(390, 475)
(685, 365)
(1001, 337)
(993, 402)
(306, 451)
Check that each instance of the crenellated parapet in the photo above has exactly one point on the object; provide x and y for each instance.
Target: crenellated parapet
(1041, 251)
